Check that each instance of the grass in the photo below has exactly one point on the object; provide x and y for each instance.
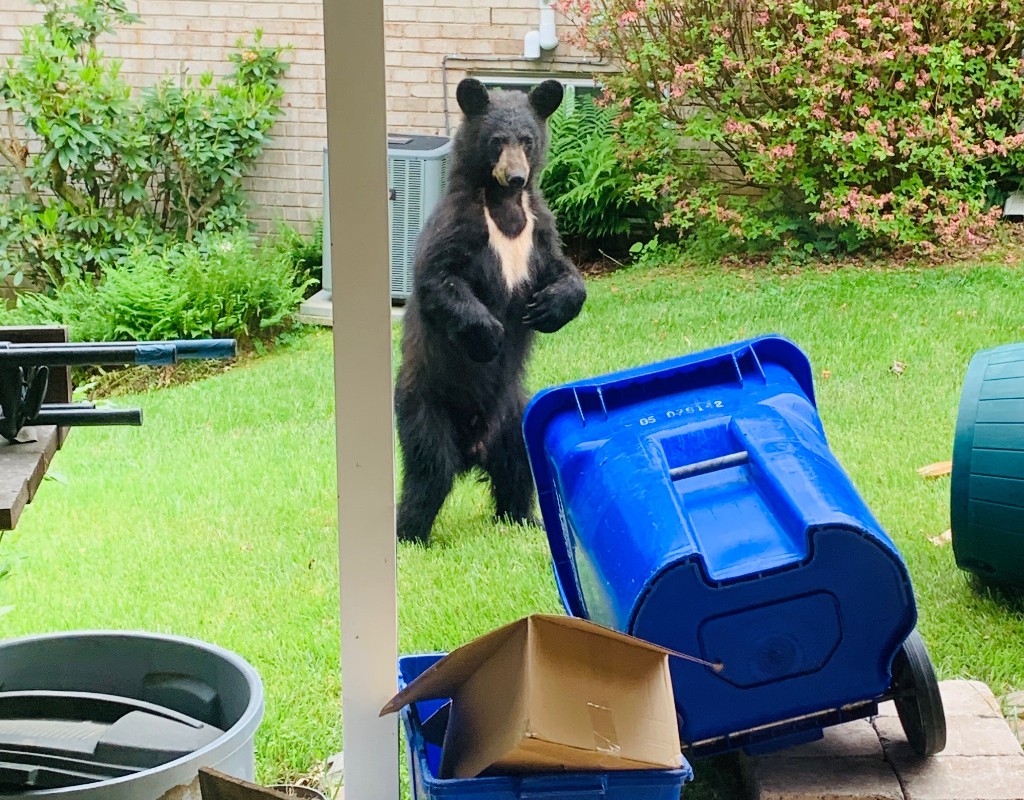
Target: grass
(217, 518)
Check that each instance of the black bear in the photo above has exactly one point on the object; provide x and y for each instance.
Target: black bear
(489, 271)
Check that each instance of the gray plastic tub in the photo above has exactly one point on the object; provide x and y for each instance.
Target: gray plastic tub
(169, 680)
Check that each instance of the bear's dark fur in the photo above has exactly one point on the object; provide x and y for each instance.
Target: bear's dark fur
(489, 272)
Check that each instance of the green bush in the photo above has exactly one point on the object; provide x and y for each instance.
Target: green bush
(585, 181)
(823, 124)
(206, 136)
(306, 253)
(220, 285)
(96, 172)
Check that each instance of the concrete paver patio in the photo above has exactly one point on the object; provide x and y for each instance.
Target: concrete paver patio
(870, 759)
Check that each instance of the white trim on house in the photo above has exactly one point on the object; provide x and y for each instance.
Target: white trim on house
(497, 79)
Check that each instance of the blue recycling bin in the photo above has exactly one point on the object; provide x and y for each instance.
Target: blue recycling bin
(424, 759)
(696, 504)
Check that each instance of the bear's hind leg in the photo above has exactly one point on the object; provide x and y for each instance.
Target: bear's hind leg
(424, 490)
(430, 463)
(509, 470)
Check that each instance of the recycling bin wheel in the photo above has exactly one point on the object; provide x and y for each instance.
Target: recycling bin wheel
(917, 698)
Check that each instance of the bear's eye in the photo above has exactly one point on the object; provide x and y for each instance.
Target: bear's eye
(527, 142)
(497, 142)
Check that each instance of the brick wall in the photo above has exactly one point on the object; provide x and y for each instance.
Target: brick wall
(431, 45)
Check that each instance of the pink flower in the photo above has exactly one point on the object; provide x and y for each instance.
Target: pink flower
(900, 85)
(626, 17)
(863, 110)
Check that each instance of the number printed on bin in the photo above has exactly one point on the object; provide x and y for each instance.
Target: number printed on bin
(675, 413)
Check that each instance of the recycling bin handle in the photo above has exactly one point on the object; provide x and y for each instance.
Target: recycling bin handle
(709, 465)
(555, 788)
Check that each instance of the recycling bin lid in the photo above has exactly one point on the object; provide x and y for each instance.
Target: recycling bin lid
(56, 739)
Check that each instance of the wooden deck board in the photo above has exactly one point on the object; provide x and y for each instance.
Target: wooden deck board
(22, 467)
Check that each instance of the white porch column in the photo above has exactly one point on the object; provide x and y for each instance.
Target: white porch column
(356, 139)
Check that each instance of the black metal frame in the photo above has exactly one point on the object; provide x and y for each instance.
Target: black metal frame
(25, 372)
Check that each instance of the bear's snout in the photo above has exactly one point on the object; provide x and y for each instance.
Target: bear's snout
(513, 168)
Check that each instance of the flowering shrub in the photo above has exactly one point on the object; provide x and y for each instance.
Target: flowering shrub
(844, 125)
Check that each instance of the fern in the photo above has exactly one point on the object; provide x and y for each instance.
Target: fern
(219, 285)
(584, 182)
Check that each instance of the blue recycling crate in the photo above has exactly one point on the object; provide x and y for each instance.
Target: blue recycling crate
(424, 759)
(696, 504)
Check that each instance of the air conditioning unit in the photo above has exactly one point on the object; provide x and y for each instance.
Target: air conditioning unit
(417, 177)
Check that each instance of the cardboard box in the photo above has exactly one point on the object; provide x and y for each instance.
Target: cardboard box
(549, 694)
(215, 785)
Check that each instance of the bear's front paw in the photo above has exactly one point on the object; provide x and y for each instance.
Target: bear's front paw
(554, 306)
(482, 342)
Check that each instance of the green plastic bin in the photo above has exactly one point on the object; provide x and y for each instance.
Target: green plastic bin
(987, 489)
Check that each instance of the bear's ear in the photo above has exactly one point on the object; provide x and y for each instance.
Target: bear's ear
(472, 97)
(546, 98)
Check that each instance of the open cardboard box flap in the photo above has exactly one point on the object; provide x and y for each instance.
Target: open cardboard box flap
(552, 693)
(442, 679)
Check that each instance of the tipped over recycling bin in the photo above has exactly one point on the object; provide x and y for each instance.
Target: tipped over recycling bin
(696, 504)
(121, 716)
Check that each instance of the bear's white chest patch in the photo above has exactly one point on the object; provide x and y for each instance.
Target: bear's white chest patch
(513, 252)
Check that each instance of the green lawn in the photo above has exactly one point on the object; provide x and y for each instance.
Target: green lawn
(216, 519)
